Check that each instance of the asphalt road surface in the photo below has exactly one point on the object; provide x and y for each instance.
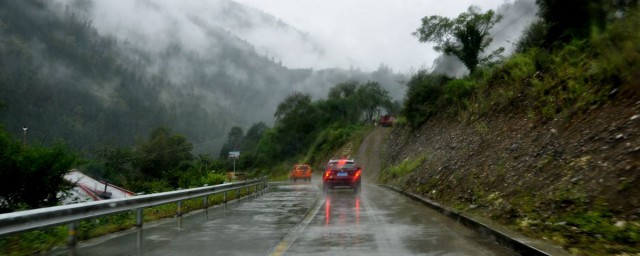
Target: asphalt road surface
(297, 219)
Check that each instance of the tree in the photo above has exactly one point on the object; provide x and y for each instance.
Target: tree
(296, 121)
(252, 138)
(422, 99)
(464, 37)
(372, 98)
(116, 166)
(32, 177)
(43, 171)
(234, 142)
(343, 90)
(293, 105)
(162, 153)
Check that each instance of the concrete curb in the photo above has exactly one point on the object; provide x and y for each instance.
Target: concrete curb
(520, 245)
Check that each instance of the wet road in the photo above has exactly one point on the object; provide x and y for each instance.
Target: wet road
(381, 222)
(250, 226)
(296, 219)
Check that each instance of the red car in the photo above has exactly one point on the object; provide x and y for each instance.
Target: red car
(342, 173)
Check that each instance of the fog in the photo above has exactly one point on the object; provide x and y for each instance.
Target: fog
(368, 32)
(314, 34)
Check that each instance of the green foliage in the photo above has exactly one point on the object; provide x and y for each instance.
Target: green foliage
(162, 153)
(565, 81)
(341, 104)
(618, 55)
(294, 105)
(407, 166)
(296, 122)
(533, 37)
(586, 17)
(33, 242)
(43, 171)
(328, 141)
(422, 99)
(464, 37)
(211, 179)
(580, 224)
(253, 136)
(519, 68)
(370, 98)
(235, 139)
(308, 128)
(114, 164)
(571, 85)
(280, 171)
(33, 176)
(457, 91)
(269, 148)
(163, 162)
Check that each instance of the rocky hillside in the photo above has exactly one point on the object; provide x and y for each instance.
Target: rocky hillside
(574, 181)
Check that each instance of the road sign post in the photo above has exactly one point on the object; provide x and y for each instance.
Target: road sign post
(234, 155)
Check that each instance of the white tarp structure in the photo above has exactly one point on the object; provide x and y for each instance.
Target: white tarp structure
(89, 189)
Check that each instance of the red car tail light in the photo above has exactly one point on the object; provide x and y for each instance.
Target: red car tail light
(326, 174)
(357, 174)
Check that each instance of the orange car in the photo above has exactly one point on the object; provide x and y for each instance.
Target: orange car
(301, 171)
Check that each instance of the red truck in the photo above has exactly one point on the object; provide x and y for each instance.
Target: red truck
(387, 120)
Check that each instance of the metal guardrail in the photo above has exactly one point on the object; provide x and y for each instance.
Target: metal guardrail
(16, 222)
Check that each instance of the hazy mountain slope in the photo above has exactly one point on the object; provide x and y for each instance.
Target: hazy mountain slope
(63, 80)
(64, 71)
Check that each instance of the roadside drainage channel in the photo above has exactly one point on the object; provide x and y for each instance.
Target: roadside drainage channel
(519, 244)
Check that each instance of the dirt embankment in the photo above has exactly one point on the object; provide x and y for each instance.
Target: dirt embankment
(555, 180)
(370, 152)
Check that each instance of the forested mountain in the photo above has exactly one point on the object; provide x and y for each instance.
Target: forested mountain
(64, 78)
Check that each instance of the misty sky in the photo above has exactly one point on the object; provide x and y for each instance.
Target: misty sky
(359, 34)
(367, 32)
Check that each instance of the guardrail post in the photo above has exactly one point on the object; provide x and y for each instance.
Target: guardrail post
(139, 218)
(179, 211)
(139, 241)
(72, 238)
(224, 197)
(205, 201)
(237, 193)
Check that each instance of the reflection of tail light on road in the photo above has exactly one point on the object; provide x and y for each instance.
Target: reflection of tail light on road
(342, 210)
(342, 221)
(327, 211)
(357, 210)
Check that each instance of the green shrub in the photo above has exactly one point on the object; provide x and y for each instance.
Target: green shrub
(423, 96)
(457, 91)
(520, 67)
(402, 169)
(618, 60)
(328, 141)
(211, 179)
